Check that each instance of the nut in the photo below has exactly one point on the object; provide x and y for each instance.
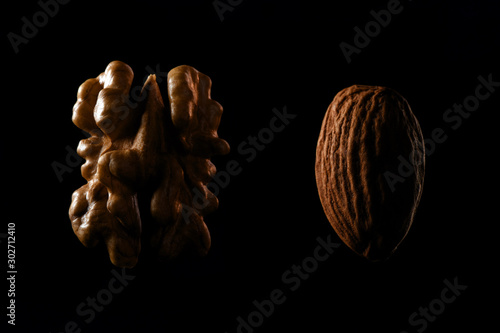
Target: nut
(364, 131)
(139, 152)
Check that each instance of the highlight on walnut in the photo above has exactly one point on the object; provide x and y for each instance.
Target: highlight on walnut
(145, 162)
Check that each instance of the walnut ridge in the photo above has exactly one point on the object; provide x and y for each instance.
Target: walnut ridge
(364, 131)
(146, 151)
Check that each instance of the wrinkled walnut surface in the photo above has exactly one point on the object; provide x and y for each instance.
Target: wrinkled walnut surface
(146, 151)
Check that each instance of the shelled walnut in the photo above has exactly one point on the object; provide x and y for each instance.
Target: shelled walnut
(146, 151)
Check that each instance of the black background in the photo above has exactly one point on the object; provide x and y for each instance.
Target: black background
(264, 55)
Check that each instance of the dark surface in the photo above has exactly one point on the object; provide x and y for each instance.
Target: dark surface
(264, 55)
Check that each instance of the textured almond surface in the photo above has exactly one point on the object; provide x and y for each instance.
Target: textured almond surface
(364, 131)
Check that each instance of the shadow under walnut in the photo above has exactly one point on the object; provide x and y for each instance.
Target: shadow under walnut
(148, 150)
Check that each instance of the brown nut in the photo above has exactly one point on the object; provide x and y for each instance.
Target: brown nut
(364, 131)
(140, 151)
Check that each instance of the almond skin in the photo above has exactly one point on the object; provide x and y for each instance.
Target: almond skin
(366, 132)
